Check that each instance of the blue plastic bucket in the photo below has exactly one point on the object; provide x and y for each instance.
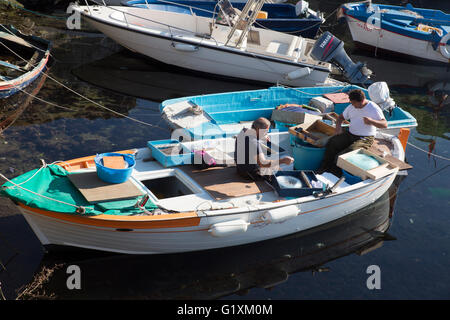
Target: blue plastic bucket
(114, 175)
(351, 179)
(306, 156)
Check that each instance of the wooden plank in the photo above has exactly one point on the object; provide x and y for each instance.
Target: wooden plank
(381, 149)
(96, 190)
(224, 182)
(114, 162)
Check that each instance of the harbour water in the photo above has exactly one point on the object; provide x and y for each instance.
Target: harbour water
(330, 262)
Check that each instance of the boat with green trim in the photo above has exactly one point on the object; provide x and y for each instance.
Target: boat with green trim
(174, 203)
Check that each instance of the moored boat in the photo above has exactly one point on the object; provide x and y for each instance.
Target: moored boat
(23, 59)
(295, 19)
(420, 34)
(171, 205)
(229, 47)
(225, 114)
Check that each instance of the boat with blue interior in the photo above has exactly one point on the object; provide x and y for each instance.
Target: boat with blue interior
(296, 19)
(226, 114)
(414, 33)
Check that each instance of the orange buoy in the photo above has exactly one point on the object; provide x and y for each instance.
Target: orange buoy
(403, 136)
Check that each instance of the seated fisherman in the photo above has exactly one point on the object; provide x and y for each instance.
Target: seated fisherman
(249, 155)
(365, 117)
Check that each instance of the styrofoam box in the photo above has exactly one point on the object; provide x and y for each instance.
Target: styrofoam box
(323, 104)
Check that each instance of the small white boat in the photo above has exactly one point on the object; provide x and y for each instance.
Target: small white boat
(229, 46)
(167, 206)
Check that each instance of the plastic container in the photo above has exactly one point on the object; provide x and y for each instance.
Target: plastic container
(178, 156)
(283, 126)
(351, 179)
(306, 156)
(114, 175)
(294, 191)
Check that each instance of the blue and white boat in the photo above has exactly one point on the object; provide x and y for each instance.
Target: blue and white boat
(422, 34)
(283, 17)
(22, 59)
(225, 114)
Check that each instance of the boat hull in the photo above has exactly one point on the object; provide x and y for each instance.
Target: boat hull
(192, 234)
(386, 41)
(220, 60)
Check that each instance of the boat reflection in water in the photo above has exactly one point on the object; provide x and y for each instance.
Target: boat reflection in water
(214, 273)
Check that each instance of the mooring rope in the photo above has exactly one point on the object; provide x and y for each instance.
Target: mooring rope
(86, 98)
(432, 154)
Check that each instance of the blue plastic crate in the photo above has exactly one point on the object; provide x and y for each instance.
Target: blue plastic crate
(294, 192)
(175, 152)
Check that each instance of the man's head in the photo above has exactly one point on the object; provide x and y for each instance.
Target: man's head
(357, 98)
(261, 126)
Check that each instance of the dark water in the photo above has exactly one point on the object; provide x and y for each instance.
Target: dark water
(326, 263)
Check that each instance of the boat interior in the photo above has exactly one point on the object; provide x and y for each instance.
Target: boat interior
(197, 30)
(230, 112)
(191, 186)
(420, 20)
(11, 65)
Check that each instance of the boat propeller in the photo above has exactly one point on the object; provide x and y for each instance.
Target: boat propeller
(328, 48)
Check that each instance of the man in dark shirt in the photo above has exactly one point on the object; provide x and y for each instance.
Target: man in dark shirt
(248, 154)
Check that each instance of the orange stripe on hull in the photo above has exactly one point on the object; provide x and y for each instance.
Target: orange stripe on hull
(86, 162)
(173, 220)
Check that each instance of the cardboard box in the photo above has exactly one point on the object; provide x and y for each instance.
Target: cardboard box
(380, 171)
(314, 133)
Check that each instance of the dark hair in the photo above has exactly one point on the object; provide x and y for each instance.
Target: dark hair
(356, 95)
(260, 123)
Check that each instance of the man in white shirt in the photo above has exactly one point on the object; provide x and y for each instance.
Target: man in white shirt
(365, 117)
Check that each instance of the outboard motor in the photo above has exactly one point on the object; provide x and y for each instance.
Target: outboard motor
(328, 48)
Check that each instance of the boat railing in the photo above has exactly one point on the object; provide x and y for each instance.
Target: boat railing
(169, 27)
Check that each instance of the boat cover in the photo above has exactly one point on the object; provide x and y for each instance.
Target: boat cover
(52, 181)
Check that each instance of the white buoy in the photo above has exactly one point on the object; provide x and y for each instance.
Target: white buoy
(282, 214)
(298, 73)
(228, 228)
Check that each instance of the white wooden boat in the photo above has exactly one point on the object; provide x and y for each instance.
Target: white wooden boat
(236, 50)
(179, 208)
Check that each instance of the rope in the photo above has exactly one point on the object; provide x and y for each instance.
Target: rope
(435, 155)
(18, 185)
(86, 98)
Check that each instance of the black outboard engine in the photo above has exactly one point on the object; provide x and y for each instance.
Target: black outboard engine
(328, 48)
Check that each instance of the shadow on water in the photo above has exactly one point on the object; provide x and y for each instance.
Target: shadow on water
(215, 273)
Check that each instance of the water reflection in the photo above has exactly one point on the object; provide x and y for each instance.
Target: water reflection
(215, 273)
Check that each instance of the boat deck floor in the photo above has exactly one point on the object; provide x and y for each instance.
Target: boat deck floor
(224, 182)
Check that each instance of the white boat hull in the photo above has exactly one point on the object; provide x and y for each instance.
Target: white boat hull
(382, 39)
(206, 56)
(313, 212)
